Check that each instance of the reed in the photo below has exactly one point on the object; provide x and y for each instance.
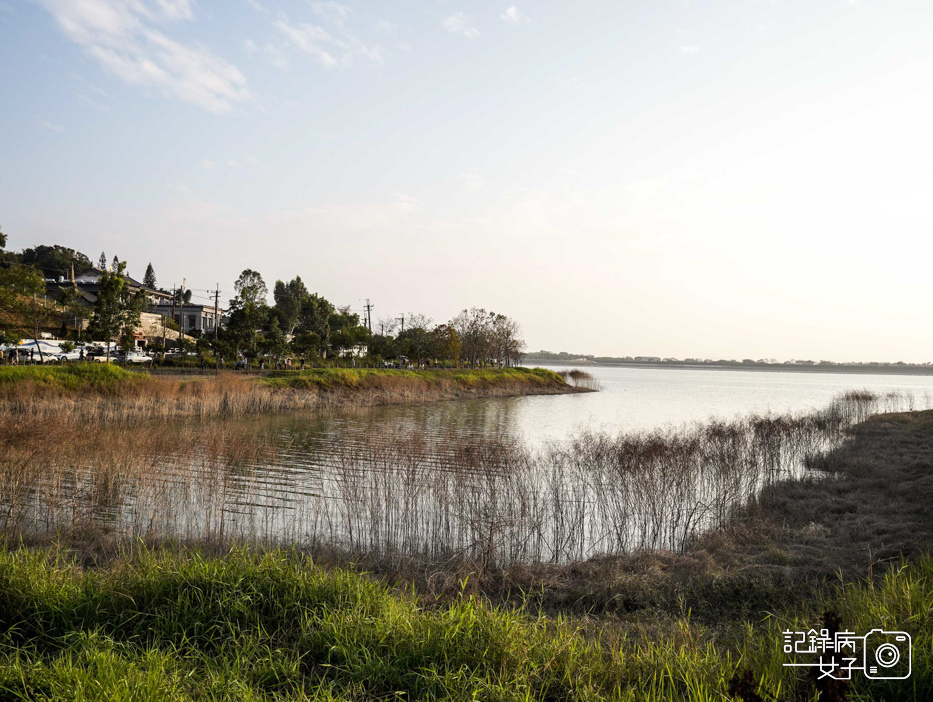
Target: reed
(579, 379)
(464, 502)
(92, 393)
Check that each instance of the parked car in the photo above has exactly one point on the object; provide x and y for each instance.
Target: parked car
(69, 356)
(133, 357)
(96, 354)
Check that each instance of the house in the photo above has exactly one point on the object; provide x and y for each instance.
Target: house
(190, 317)
(87, 285)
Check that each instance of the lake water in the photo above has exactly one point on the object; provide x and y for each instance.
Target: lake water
(647, 398)
(651, 460)
(629, 399)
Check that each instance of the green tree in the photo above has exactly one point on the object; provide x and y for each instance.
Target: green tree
(55, 260)
(149, 279)
(102, 261)
(306, 344)
(415, 341)
(248, 310)
(289, 297)
(73, 309)
(116, 311)
(445, 343)
(250, 289)
(273, 341)
(22, 301)
(383, 346)
(346, 331)
(314, 318)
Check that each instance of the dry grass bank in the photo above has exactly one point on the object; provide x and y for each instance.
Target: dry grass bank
(85, 393)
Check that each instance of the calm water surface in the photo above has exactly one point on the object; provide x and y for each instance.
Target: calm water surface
(629, 399)
(492, 478)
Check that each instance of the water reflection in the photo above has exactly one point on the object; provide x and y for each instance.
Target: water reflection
(447, 480)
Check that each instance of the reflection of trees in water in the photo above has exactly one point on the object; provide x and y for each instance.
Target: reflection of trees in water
(442, 482)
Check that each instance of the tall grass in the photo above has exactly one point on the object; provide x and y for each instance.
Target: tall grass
(579, 378)
(86, 393)
(486, 501)
(271, 626)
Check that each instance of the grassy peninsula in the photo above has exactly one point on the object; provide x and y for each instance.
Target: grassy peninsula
(106, 392)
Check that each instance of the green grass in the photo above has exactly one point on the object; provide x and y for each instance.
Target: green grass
(77, 376)
(251, 626)
(333, 378)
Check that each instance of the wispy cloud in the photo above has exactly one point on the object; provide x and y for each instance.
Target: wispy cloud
(458, 24)
(272, 53)
(333, 11)
(689, 50)
(125, 38)
(515, 16)
(176, 9)
(259, 7)
(330, 48)
(54, 127)
(310, 38)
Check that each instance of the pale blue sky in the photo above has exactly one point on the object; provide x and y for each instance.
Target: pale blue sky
(715, 178)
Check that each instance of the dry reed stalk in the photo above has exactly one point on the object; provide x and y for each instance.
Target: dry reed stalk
(479, 503)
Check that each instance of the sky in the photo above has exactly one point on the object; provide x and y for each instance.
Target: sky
(705, 178)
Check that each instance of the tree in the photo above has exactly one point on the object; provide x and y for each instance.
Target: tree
(248, 310)
(116, 311)
(473, 328)
(273, 341)
(115, 265)
(250, 289)
(289, 298)
(70, 301)
(56, 260)
(415, 341)
(345, 331)
(314, 318)
(307, 343)
(2, 240)
(20, 303)
(445, 343)
(149, 280)
(102, 261)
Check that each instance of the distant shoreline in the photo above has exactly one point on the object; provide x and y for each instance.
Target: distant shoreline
(755, 368)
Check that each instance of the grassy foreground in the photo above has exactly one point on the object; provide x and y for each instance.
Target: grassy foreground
(271, 626)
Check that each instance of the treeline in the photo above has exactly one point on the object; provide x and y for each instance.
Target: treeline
(297, 323)
(308, 325)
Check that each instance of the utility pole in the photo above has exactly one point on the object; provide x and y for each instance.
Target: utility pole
(369, 315)
(181, 309)
(402, 320)
(173, 314)
(216, 305)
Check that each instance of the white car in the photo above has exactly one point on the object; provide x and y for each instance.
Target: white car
(69, 356)
(138, 357)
